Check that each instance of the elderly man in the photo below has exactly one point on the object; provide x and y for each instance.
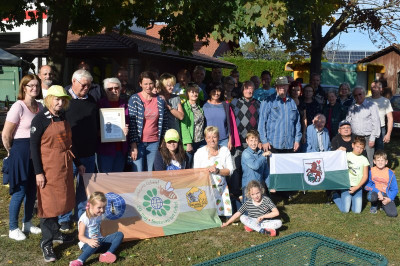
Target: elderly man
(279, 122)
(344, 140)
(83, 116)
(363, 116)
(127, 89)
(46, 76)
(237, 90)
(315, 82)
(266, 90)
(318, 136)
(198, 76)
(385, 110)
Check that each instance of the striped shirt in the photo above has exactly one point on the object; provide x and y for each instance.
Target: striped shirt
(254, 211)
(279, 122)
(364, 119)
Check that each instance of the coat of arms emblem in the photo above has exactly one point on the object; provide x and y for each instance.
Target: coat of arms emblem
(314, 172)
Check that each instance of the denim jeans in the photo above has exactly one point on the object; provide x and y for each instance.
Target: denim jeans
(110, 164)
(24, 191)
(145, 158)
(109, 243)
(345, 200)
(80, 194)
(190, 155)
(223, 142)
(379, 141)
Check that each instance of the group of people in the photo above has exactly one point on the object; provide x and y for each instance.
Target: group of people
(225, 126)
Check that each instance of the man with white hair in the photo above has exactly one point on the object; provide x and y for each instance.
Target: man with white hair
(46, 76)
(363, 116)
(318, 136)
(83, 118)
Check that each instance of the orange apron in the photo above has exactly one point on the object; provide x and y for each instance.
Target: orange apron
(58, 195)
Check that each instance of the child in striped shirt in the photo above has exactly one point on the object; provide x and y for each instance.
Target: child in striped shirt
(260, 211)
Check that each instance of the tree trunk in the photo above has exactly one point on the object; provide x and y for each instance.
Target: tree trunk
(317, 47)
(60, 15)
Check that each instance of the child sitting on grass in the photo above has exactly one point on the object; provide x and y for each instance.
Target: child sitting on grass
(382, 185)
(91, 240)
(254, 162)
(358, 175)
(260, 211)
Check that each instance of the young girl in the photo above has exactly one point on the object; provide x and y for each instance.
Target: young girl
(260, 211)
(90, 238)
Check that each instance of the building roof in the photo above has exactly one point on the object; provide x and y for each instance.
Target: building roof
(391, 48)
(213, 48)
(113, 44)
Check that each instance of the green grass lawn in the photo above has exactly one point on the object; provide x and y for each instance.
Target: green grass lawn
(306, 212)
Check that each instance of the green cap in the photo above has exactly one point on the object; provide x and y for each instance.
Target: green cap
(58, 91)
(171, 134)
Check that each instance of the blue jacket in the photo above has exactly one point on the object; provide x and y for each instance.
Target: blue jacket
(312, 139)
(391, 190)
(254, 167)
(136, 114)
(279, 122)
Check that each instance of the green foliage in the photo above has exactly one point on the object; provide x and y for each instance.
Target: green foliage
(253, 67)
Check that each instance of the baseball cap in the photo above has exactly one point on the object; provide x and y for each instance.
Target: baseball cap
(171, 134)
(58, 91)
(281, 81)
(344, 122)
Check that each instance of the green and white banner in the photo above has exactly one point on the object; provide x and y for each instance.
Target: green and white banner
(309, 171)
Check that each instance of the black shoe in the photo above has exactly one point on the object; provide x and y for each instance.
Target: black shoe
(63, 238)
(48, 253)
(65, 227)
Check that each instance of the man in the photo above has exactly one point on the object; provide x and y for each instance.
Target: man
(216, 75)
(183, 78)
(363, 116)
(344, 140)
(237, 90)
(46, 76)
(83, 117)
(246, 110)
(198, 76)
(279, 122)
(257, 82)
(385, 109)
(127, 90)
(315, 82)
(263, 93)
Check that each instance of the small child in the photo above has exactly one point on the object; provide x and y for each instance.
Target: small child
(358, 175)
(260, 211)
(382, 185)
(254, 162)
(91, 240)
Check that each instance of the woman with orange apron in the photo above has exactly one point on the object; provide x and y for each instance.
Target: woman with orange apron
(52, 160)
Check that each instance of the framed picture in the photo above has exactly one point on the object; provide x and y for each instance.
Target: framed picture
(112, 122)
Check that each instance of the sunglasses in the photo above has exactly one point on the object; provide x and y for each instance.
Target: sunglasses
(113, 88)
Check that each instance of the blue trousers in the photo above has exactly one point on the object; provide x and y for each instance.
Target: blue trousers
(24, 191)
(109, 243)
(111, 164)
(145, 158)
(345, 200)
(80, 193)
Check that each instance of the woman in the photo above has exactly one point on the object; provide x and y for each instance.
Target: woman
(175, 111)
(218, 162)
(217, 114)
(192, 124)
(148, 121)
(334, 113)
(295, 94)
(171, 155)
(229, 84)
(52, 160)
(309, 104)
(15, 136)
(111, 155)
(345, 98)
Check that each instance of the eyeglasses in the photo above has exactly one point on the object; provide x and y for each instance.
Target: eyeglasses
(32, 86)
(83, 85)
(113, 88)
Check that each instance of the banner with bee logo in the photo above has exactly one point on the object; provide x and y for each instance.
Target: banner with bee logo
(153, 204)
(309, 171)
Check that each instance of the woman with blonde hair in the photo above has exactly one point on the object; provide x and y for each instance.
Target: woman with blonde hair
(20, 176)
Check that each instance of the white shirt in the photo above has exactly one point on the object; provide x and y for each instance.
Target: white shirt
(384, 107)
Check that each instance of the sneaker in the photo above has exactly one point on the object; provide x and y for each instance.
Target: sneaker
(248, 229)
(270, 232)
(29, 228)
(48, 253)
(63, 238)
(75, 263)
(65, 227)
(107, 257)
(16, 234)
(373, 210)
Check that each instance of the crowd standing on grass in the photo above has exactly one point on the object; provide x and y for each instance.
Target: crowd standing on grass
(228, 127)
